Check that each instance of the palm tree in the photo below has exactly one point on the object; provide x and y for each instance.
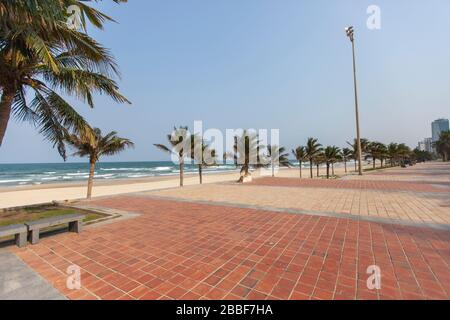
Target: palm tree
(312, 149)
(346, 155)
(403, 152)
(202, 154)
(354, 148)
(337, 158)
(277, 155)
(392, 153)
(377, 150)
(383, 153)
(181, 147)
(318, 160)
(40, 55)
(443, 145)
(246, 150)
(300, 155)
(331, 155)
(94, 146)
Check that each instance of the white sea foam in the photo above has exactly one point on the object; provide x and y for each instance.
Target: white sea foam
(14, 181)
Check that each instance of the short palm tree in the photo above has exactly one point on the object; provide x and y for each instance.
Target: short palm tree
(277, 156)
(300, 155)
(354, 147)
(94, 146)
(40, 55)
(337, 158)
(331, 155)
(392, 153)
(443, 145)
(403, 152)
(180, 146)
(202, 154)
(318, 160)
(377, 150)
(313, 149)
(246, 150)
(347, 154)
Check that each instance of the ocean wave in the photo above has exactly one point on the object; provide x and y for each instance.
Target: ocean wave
(105, 175)
(163, 168)
(14, 181)
(76, 174)
(140, 175)
(52, 178)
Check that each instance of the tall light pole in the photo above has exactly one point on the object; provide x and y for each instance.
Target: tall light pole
(350, 34)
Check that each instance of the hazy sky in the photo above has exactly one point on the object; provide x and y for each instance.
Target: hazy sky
(283, 64)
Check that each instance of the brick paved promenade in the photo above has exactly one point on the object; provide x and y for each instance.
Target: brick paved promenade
(228, 241)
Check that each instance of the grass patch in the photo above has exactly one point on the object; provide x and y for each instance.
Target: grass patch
(20, 216)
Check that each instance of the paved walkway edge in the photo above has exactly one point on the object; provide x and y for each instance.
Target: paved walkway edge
(437, 226)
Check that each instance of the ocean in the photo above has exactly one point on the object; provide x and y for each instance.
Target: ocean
(47, 173)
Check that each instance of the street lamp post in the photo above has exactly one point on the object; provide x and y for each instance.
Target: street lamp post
(350, 34)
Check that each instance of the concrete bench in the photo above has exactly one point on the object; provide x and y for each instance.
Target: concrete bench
(74, 220)
(19, 231)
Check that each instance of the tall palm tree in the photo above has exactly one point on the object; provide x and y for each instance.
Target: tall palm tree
(40, 55)
(300, 155)
(180, 146)
(277, 155)
(202, 154)
(312, 149)
(346, 155)
(330, 155)
(443, 145)
(246, 150)
(95, 146)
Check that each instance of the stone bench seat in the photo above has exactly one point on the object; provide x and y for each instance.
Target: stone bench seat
(74, 220)
(19, 231)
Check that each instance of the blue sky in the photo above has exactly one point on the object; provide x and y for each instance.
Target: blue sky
(266, 64)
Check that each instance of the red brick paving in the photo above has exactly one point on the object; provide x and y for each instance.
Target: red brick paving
(178, 250)
(350, 184)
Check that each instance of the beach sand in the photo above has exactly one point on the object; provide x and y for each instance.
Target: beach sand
(32, 195)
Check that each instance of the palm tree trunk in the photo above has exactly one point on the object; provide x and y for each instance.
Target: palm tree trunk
(300, 166)
(345, 165)
(5, 111)
(374, 163)
(328, 171)
(356, 168)
(273, 170)
(181, 172)
(318, 173)
(311, 168)
(200, 173)
(91, 180)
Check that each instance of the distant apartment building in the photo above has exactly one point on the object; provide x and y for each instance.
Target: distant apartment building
(439, 126)
(426, 145)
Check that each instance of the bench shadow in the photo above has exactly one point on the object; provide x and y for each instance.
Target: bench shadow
(8, 242)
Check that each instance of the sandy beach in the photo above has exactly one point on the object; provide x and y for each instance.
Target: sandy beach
(31, 195)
